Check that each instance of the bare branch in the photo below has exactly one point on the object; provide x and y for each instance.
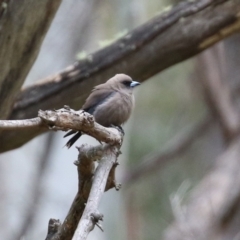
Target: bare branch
(86, 171)
(90, 214)
(23, 27)
(65, 119)
(86, 168)
(20, 124)
(176, 147)
(211, 200)
(195, 26)
(53, 227)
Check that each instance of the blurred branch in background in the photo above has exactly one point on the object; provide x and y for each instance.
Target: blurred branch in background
(23, 27)
(36, 192)
(212, 201)
(217, 92)
(82, 13)
(69, 33)
(174, 149)
(129, 55)
(211, 211)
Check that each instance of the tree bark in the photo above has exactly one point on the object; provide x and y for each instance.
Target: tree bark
(23, 27)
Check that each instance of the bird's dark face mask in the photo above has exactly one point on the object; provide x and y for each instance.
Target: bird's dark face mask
(130, 84)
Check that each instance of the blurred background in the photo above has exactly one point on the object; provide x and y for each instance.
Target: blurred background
(39, 180)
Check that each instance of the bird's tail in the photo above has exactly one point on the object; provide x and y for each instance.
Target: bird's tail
(69, 133)
(73, 139)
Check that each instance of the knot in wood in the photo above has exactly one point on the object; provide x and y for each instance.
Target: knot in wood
(48, 116)
(66, 107)
(88, 120)
(53, 225)
(97, 216)
(53, 117)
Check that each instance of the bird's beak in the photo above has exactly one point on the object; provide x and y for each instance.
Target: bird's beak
(134, 84)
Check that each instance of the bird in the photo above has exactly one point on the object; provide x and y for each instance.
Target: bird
(110, 103)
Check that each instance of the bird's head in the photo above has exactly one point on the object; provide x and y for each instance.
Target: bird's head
(123, 82)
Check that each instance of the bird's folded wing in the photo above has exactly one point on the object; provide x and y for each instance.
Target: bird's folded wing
(98, 96)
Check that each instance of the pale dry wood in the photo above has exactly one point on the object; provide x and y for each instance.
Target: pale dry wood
(91, 215)
(20, 124)
(86, 170)
(173, 36)
(65, 119)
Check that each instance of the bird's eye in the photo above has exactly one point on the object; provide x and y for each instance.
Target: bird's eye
(127, 83)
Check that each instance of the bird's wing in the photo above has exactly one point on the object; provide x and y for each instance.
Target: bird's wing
(98, 96)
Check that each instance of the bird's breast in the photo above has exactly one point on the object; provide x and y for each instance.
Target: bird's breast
(115, 110)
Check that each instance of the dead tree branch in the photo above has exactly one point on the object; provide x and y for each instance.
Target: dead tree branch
(195, 25)
(91, 186)
(20, 124)
(91, 215)
(23, 27)
(53, 227)
(65, 119)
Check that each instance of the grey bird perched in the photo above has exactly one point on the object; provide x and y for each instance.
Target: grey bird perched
(110, 103)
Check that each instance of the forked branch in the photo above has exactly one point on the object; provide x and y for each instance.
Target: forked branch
(92, 183)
